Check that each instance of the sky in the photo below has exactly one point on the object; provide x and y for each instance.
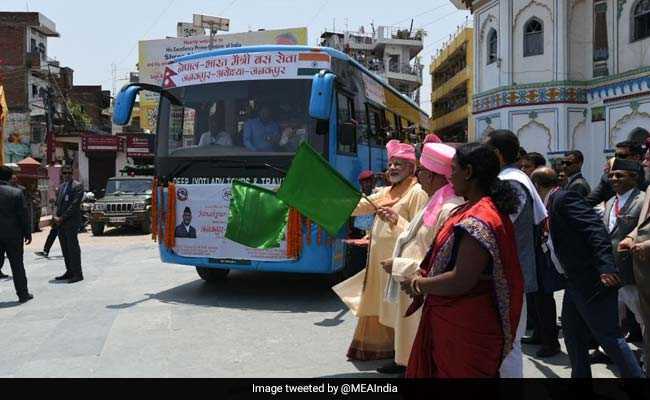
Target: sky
(98, 34)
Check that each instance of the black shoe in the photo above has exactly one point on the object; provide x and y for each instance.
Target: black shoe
(599, 357)
(76, 279)
(63, 277)
(25, 299)
(41, 254)
(546, 352)
(4, 276)
(531, 340)
(391, 368)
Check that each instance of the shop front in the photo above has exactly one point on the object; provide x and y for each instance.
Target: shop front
(99, 159)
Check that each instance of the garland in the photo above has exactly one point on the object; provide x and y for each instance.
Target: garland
(154, 210)
(308, 231)
(170, 225)
(319, 237)
(294, 234)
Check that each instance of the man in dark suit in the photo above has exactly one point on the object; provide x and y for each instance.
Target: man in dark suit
(627, 150)
(28, 212)
(621, 217)
(68, 220)
(573, 169)
(637, 244)
(14, 230)
(185, 230)
(584, 251)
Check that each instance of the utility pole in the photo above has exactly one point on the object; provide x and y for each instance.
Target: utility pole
(48, 100)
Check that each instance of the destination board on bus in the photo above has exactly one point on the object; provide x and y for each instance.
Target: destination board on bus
(245, 67)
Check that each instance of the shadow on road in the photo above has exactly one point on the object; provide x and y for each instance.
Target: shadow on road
(123, 231)
(560, 359)
(547, 371)
(9, 304)
(291, 293)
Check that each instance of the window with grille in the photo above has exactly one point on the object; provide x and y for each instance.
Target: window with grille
(533, 38)
(492, 46)
(641, 20)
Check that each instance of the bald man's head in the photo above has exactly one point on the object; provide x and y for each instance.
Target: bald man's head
(544, 178)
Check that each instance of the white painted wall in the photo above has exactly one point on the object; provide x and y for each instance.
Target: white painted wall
(486, 76)
(631, 55)
(84, 172)
(536, 68)
(580, 39)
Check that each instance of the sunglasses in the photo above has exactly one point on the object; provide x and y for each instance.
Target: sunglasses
(619, 175)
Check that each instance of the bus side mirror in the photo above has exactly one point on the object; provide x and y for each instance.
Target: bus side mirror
(348, 134)
(322, 90)
(124, 102)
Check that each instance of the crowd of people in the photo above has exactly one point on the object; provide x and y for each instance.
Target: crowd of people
(16, 228)
(467, 247)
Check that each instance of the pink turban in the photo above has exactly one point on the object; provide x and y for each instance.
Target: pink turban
(404, 151)
(432, 138)
(436, 157)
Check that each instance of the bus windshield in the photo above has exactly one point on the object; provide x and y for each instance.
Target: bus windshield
(246, 118)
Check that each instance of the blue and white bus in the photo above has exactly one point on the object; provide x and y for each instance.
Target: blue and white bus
(240, 114)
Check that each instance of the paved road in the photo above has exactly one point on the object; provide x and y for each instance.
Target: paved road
(136, 317)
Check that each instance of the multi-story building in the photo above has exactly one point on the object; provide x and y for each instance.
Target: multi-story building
(452, 87)
(27, 72)
(389, 52)
(563, 75)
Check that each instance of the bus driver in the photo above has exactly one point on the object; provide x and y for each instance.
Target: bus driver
(261, 133)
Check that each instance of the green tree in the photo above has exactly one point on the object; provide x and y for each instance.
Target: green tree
(79, 116)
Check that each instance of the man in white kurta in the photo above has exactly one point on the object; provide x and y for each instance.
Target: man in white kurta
(364, 293)
(414, 243)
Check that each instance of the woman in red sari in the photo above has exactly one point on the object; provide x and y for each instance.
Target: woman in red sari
(471, 283)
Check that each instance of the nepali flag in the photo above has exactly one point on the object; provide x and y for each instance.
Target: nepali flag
(168, 83)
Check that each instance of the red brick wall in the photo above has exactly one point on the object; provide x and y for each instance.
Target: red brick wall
(12, 66)
(12, 44)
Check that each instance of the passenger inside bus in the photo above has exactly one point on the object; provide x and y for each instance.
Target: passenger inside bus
(262, 133)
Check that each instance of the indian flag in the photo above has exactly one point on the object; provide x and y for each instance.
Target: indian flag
(311, 63)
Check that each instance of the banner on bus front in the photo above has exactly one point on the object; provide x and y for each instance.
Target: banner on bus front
(246, 67)
(201, 222)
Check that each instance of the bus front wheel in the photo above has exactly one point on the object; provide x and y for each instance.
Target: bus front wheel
(211, 274)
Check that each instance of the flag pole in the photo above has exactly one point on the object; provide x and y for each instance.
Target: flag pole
(369, 201)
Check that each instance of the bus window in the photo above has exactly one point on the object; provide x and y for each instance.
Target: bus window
(392, 122)
(238, 119)
(376, 126)
(345, 113)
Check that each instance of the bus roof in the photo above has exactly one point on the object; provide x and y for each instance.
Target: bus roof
(332, 52)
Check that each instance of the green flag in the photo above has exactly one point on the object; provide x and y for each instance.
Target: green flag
(318, 191)
(257, 218)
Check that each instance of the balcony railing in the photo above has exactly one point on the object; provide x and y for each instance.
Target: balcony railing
(396, 33)
(463, 76)
(408, 69)
(451, 118)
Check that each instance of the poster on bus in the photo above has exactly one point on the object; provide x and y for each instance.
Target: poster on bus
(155, 55)
(201, 222)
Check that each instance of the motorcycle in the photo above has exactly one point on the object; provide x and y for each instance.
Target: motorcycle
(86, 208)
